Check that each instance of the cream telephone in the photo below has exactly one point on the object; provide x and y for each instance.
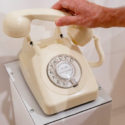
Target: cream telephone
(55, 70)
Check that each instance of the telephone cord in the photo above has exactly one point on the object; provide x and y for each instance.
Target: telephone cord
(100, 53)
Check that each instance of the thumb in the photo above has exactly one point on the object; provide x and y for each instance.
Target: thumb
(66, 20)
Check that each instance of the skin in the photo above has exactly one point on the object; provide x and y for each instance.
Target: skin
(89, 15)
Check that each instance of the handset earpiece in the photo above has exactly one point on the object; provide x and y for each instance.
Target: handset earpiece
(81, 36)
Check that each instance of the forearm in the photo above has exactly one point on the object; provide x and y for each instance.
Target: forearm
(112, 17)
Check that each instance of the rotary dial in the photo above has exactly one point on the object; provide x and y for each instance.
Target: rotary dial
(64, 71)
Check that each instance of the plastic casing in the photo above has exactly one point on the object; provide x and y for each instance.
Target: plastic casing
(51, 98)
(34, 60)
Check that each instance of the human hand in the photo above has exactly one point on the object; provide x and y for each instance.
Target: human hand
(83, 13)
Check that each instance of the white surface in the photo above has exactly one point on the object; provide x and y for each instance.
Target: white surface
(89, 117)
(110, 75)
(11, 74)
(20, 114)
(91, 112)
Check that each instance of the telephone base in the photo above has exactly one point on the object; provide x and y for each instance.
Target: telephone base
(46, 69)
(55, 103)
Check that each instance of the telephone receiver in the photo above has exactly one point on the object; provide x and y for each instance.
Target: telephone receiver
(17, 24)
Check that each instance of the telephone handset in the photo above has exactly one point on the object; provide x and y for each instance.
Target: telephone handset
(55, 70)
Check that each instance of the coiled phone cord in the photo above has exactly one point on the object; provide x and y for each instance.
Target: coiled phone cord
(100, 53)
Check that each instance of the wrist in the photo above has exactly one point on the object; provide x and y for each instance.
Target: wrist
(107, 17)
(113, 17)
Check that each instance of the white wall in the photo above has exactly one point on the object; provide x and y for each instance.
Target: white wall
(110, 75)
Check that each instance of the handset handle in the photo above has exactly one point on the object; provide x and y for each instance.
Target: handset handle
(42, 14)
(17, 23)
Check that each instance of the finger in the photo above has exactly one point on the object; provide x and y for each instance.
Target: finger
(66, 20)
(57, 6)
(65, 4)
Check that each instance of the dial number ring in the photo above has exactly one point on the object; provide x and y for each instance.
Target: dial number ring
(64, 71)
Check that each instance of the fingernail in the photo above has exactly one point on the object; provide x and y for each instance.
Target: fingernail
(58, 23)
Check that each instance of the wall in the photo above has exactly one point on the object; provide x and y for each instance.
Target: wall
(110, 75)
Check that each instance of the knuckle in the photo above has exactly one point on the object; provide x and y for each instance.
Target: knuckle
(79, 20)
(72, 6)
(65, 3)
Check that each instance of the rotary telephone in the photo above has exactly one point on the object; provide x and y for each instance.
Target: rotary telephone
(55, 70)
